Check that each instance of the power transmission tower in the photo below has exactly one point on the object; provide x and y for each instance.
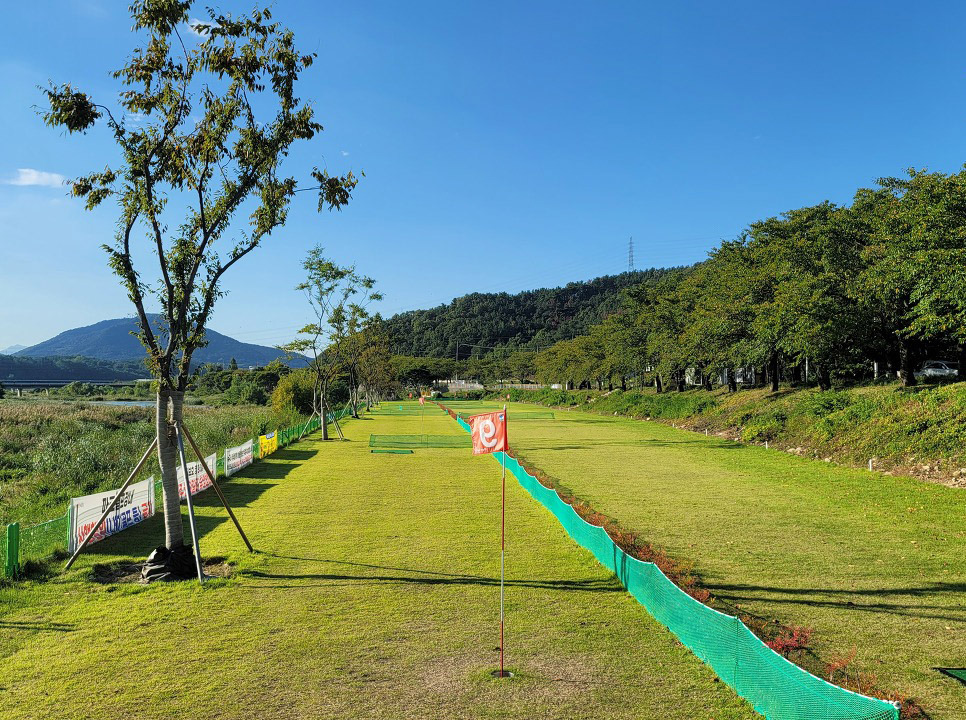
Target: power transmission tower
(630, 255)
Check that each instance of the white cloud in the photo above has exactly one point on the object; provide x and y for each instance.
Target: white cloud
(193, 28)
(135, 119)
(345, 153)
(29, 176)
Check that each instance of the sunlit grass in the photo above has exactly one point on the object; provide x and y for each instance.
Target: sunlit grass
(374, 594)
(872, 562)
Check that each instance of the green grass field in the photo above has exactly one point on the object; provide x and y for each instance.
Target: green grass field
(871, 562)
(374, 594)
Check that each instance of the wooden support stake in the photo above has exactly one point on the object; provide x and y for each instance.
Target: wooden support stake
(214, 484)
(191, 505)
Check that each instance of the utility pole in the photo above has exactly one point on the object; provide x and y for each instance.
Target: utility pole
(630, 255)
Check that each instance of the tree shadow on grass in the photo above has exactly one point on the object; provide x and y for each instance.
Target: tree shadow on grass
(415, 576)
(37, 626)
(869, 600)
(140, 540)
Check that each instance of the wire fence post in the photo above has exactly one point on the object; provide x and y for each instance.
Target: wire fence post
(11, 567)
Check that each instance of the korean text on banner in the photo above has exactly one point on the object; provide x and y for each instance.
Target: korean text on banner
(238, 457)
(136, 504)
(267, 444)
(197, 476)
(489, 432)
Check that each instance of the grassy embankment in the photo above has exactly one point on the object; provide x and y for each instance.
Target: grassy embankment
(52, 451)
(917, 431)
(374, 594)
(873, 563)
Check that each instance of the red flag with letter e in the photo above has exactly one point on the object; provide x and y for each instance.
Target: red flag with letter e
(489, 432)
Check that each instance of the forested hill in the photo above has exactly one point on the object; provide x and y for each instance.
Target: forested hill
(530, 319)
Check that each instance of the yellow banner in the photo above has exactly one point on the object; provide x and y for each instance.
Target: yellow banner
(267, 444)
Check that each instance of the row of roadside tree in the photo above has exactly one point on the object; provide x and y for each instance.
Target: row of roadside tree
(840, 292)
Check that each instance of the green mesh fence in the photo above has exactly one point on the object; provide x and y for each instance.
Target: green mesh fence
(419, 441)
(389, 409)
(41, 540)
(955, 673)
(775, 686)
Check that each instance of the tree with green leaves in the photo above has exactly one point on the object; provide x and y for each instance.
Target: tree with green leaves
(913, 259)
(202, 129)
(375, 371)
(337, 296)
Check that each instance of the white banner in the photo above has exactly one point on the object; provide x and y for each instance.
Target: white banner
(135, 505)
(196, 476)
(237, 458)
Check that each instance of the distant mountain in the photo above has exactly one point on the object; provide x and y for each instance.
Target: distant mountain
(528, 320)
(12, 349)
(112, 340)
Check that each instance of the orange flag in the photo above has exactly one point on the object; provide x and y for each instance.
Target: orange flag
(489, 432)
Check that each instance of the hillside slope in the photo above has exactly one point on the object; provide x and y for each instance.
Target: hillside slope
(918, 431)
(530, 319)
(31, 369)
(112, 340)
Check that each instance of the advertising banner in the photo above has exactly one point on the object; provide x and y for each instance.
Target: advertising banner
(267, 444)
(237, 458)
(135, 505)
(197, 476)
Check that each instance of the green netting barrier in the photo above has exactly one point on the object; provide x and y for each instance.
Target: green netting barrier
(41, 540)
(392, 451)
(955, 673)
(419, 441)
(3, 551)
(776, 687)
(400, 410)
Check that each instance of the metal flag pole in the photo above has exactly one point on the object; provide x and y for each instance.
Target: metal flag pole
(502, 536)
(214, 484)
(110, 507)
(191, 507)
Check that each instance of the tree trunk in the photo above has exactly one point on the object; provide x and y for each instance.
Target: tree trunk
(961, 359)
(906, 363)
(824, 377)
(732, 380)
(623, 382)
(169, 413)
(354, 395)
(323, 412)
(707, 382)
(773, 372)
(658, 385)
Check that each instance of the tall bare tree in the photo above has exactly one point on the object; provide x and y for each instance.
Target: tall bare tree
(202, 128)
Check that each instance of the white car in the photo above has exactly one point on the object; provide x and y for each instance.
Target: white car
(939, 370)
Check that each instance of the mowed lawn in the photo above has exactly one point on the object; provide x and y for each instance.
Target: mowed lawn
(871, 562)
(374, 594)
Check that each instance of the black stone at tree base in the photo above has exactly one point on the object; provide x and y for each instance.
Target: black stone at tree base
(165, 565)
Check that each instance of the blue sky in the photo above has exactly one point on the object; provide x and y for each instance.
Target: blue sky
(506, 145)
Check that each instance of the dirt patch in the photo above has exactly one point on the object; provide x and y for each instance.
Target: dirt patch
(130, 572)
